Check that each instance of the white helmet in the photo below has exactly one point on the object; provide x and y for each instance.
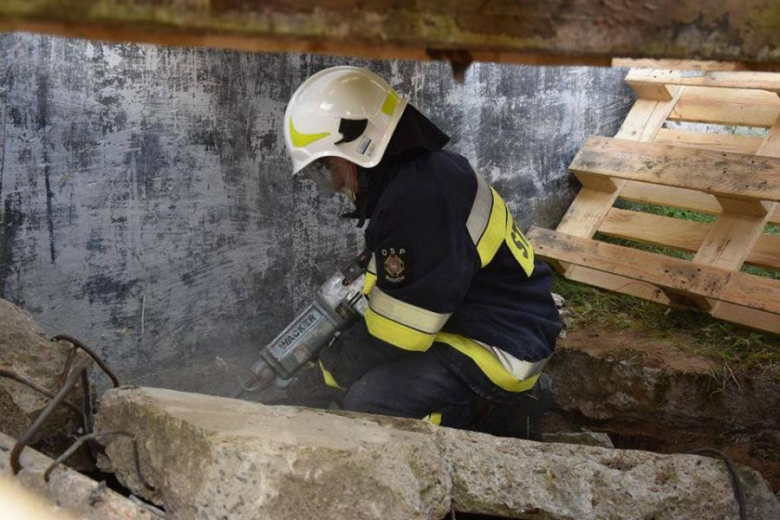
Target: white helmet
(347, 112)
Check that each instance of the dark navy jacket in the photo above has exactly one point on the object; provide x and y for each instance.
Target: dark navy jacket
(426, 260)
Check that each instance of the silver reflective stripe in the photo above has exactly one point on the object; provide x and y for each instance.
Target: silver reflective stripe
(372, 264)
(480, 210)
(417, 318)
(522, 370)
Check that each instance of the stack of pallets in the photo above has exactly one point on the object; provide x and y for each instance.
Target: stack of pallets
(735, 177)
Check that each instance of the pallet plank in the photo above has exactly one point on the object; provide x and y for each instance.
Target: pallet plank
(727, 107)
(717, 142)
(649, 90)
(680, 198)
(685, 235)
(658, 230)
(748, 208)
(735, 313)
(642, 63)
(717, 173)
(768, 81)
(621, 284)
(746, 316)
(673, 273)
(729, 241)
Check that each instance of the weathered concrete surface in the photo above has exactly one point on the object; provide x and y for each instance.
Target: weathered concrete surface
(25, 351)
(146, 205)
(211, 457)
(585, 438)
(67, 491)
(535, 31)
(219, 458)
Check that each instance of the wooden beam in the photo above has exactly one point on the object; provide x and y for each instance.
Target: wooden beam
(649, 90)
(658, 230)
(746, 316)
(676, 198)
(749, 208)
(717, 142)
(698, 78)
(717, 173)
(735, 313)
(663, 271)
(727, 107)
(678, 64)
(730, 240)
(620, 284)
(536, 31)
(685, 235)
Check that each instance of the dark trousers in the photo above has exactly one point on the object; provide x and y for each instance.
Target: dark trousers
(381, 379)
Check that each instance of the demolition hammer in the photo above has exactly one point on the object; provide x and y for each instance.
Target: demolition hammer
(337, 305)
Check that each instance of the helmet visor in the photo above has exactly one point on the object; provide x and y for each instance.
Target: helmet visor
(318, 172)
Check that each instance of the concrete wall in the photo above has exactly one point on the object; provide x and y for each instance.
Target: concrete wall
(146, 204)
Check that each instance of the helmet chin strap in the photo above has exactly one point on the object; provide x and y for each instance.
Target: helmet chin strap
(361, 200)
(361, 197)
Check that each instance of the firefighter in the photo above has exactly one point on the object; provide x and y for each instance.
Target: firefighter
(461, 320)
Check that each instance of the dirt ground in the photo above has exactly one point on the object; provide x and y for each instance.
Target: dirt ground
(754, 441)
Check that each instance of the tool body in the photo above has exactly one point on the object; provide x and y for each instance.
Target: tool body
(338, 304)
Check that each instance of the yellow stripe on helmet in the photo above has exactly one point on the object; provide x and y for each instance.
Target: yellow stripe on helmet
(300, 140)
(391, 101)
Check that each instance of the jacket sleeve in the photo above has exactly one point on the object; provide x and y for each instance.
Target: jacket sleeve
(424, 263)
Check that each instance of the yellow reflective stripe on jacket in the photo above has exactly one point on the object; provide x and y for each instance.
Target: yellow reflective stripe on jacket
(370, 280)
(479, 216)
(396, 333)
(495, 231)
(406, 314)
(490, 223)
(487, 362)
(329, 379)
(519, 246)
(433, 418)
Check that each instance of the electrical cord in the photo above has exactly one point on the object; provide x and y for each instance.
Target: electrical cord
(736, 483)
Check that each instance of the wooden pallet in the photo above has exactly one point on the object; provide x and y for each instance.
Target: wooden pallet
(734, 177)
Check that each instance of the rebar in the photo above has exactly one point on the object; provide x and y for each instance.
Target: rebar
(25, 439)
(66, 368)
(40, 388)
(101, 437)
(92, 354)
(87, 389)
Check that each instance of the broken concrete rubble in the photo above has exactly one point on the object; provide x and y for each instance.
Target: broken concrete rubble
(67, 490)
(24, 350)
(649, 392)
(585, 438)
(213, 457)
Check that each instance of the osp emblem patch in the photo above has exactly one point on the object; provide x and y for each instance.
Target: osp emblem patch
(395, 262)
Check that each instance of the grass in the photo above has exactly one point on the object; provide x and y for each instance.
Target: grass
(723, 342)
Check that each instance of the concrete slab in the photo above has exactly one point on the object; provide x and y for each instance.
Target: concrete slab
(212, 457)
